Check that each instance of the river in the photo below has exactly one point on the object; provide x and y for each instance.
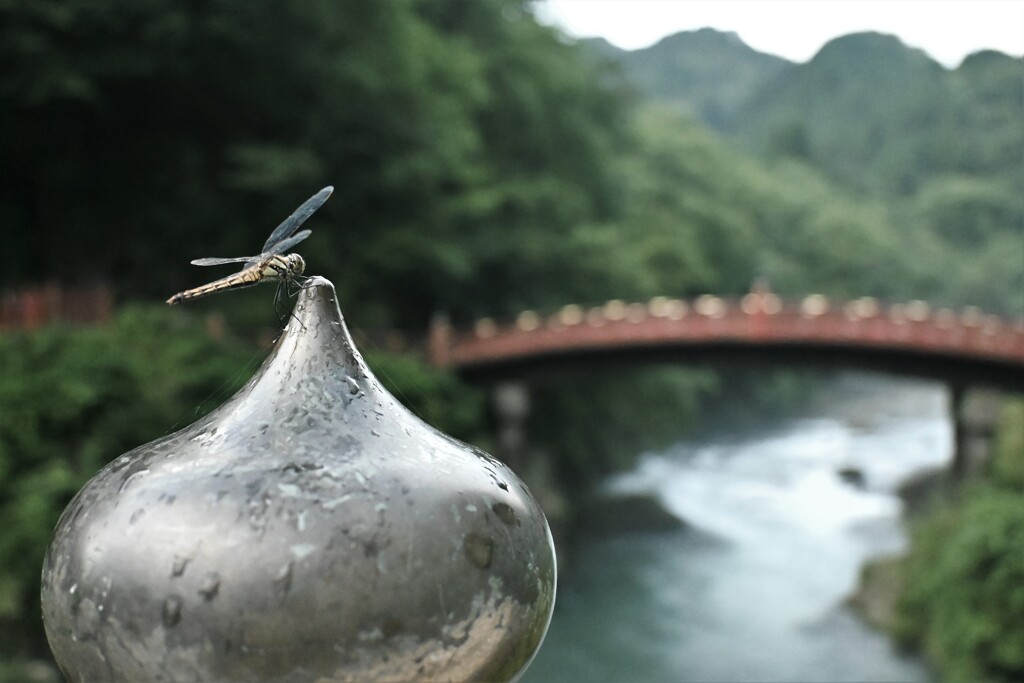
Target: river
(758, 596)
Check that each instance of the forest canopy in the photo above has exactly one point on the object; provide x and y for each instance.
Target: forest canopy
(481, 163)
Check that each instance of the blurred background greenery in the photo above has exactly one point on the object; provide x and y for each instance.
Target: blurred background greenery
(482, 164)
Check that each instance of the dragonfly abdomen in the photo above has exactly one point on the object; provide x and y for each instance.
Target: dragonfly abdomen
(244, 278)
(270, 268)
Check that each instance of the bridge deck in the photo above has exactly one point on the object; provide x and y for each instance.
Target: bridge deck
(925, 342)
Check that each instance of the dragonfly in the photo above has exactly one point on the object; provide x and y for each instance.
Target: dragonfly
(272, 264)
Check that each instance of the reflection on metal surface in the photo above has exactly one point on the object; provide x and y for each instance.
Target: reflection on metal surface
(310, 529)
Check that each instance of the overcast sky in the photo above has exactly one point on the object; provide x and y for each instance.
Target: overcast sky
(948, 30)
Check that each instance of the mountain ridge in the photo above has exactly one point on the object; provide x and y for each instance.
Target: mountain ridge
(869, 110)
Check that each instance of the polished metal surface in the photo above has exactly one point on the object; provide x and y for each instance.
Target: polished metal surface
(310, 529)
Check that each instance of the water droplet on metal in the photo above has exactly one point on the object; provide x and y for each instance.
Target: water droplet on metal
(171, 613)
(210, 587)
(302, 550)
(505, 513)
(479, 549)
(87, 620)
(131, 479)
(283, 580)
(180, 565)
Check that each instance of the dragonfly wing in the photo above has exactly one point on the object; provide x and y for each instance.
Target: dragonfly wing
(222, 261)
(298, 217)
(285, 245)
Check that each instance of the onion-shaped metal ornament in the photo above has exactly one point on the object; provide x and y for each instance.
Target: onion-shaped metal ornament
(310, 529)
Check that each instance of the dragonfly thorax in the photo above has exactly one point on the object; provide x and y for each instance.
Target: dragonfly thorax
(279, 266)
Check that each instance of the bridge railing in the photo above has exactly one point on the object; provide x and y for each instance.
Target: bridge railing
(33, 307)
(757, 318)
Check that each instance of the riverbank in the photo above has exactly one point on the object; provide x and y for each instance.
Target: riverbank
(881, 581)
(957, 594)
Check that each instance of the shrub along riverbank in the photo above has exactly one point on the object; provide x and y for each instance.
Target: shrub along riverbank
(958, 593)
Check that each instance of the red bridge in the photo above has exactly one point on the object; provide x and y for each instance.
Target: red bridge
(964, 348)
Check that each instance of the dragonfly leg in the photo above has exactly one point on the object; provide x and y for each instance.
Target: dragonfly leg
(300, 284)
(278, 302)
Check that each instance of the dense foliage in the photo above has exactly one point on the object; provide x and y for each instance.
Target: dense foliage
(964, 578)
(457, 134)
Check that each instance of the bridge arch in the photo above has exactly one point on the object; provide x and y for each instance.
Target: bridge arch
(964, 349)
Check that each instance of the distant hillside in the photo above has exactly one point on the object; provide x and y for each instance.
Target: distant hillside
(879, 115)
(707, 73)
(868, 110)
(865, 108)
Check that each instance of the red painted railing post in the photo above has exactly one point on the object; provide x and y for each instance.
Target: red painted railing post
(439, 341)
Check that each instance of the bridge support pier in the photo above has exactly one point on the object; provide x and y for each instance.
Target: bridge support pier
(975, 414)
(511, 406)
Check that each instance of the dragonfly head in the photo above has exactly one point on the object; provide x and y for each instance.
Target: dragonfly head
(296, 264)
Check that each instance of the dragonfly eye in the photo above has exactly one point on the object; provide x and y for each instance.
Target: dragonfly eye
(298, 264)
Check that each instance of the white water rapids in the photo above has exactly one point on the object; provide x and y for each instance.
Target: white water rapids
(762, 598)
